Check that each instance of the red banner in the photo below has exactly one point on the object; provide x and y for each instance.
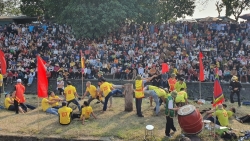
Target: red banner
(3, 63)
(42, 81)
(201, 77)
(164, 67)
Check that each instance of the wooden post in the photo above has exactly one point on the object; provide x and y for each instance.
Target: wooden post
(128, 92)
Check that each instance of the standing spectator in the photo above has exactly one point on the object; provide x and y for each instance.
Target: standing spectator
(164, 80)
(235, 88)
(31, 77)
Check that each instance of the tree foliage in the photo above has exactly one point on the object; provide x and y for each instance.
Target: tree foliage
(10, 7)
(94, 18)
(32, 7)
(175, 9)
(235, 7)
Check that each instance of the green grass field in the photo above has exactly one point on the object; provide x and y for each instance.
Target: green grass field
(114, 124)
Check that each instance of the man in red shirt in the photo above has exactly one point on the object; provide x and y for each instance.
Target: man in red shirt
(18, 93)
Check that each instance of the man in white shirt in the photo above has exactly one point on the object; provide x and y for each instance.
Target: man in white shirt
(140, 70)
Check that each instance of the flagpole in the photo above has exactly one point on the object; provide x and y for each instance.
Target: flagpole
(200, 88)
(38, 115)
(82, 83)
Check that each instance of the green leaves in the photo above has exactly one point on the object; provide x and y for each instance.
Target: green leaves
(235, 7)
(32, 7)
(95, 18)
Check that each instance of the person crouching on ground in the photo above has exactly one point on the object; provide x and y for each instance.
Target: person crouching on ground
(86, 112)
(65, 114)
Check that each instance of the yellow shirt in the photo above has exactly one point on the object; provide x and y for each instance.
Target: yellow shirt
(178, 86)
(51, 99)
(222, 116)
(160, 92)
(86, 112)
(181, 96)
(7, 102)
(45, 104)
(92, 91)
(70, 92)
(64, 115)
(106, 88)
(1, 80)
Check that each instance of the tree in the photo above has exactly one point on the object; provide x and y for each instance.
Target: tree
(95, 18)
(239, 6)
(219, 7)
(235, 7)
(32, 7)
(10, 7)
(169, 9)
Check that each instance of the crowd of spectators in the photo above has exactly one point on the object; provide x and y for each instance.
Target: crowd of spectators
(132, 49)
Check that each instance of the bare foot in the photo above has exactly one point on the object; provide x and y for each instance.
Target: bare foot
(110, 106)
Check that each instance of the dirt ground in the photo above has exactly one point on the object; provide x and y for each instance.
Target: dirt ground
(114, 124)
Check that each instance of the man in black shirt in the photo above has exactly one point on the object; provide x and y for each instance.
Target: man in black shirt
(235, 88)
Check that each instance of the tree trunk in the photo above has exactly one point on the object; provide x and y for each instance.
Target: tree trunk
(128, 91)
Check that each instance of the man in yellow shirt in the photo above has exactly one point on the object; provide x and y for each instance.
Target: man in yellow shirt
(182, 98)
(86, 112)
(221, 116)
(9, 104)
(55, 98)
(64, 114)
(107, 90)
(91, 89)
(46, 106)
(180, 84)
(70, 95)
(155, 93)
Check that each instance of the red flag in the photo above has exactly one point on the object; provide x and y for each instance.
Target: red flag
(202, 77)
(3, 63)
(164, 67)
(218, 94)
(42, 81)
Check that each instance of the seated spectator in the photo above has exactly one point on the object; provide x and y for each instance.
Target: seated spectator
(65, 114)
(86, 112)
(46, 106)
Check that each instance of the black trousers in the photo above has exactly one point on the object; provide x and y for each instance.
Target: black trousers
(169, 125)
(138, 102)
(11, 108)
(245, 118)
(16, 106)
(232, 97)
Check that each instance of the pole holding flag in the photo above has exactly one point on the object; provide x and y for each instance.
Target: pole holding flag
(218, 97)
(82, 66)
(42, 82)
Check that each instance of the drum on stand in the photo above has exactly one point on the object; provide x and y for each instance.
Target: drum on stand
(190, 120)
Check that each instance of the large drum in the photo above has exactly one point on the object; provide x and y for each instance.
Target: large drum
(190, 119)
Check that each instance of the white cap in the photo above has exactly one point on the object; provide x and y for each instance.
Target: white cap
(19, 81)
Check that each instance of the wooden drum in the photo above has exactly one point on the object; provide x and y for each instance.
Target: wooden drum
(190, 119)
